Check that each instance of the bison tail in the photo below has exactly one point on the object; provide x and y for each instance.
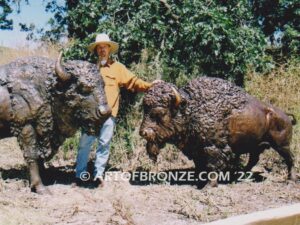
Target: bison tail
(293, 118)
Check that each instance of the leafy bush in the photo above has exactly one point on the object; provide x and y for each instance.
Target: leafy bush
(186, 38)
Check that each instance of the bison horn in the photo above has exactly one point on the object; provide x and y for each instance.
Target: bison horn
(60, 71)
(177, 96)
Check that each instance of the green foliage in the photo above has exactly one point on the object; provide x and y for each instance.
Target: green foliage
(70, 144)
(281, 18)
(191, 37)
(291, 41)
(187, 38)
(5, 10)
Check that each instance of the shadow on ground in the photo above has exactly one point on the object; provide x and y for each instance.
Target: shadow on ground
(66, 175)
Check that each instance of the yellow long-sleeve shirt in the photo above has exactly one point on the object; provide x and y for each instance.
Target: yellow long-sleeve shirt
(115, 76)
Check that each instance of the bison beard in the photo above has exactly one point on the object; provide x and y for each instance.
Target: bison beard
(43, 103)
(213, 122)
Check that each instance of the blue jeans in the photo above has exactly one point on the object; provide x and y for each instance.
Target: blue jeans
(102, 153)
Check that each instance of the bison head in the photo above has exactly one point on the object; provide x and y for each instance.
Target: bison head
(81, 91)
(162, 117)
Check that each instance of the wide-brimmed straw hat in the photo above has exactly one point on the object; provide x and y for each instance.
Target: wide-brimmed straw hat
(104, 39)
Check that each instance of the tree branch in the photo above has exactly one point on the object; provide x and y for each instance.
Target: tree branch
(168, 7)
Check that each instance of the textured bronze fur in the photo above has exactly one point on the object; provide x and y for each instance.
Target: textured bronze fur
(41, 109)
(214, 124)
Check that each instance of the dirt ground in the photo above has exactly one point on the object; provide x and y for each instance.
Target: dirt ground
(124, 202)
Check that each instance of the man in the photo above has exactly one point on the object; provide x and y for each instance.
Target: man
(115, 75)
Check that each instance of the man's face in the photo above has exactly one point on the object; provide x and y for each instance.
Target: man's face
(103, 51)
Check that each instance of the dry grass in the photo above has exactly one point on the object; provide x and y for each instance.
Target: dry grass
(122, 215)
(280, 88)
(189, 208)
(8, 54)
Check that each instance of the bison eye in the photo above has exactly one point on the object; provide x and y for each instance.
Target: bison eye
(85, 90)
(158, 116)
(153, 115)
(162, 119)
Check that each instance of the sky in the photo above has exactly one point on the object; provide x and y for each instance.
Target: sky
(32, 13)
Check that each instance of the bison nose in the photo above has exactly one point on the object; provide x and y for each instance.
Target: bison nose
(103, 110)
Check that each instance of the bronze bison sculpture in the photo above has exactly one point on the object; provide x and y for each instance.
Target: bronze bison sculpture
(213, 122)
(43, 102)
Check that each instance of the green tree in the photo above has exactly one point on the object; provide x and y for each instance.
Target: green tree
(185, 38)
(6, 8)
(280, 18)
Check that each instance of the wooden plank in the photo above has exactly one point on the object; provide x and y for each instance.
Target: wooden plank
(286, 215)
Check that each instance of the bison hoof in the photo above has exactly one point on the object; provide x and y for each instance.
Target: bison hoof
(153, 158)
(293, 177)
(41, 190)
(213, 183)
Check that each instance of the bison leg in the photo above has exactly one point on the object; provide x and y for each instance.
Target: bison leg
(200, 166)
(253, 160)
(35, 179)
(288, 156)
(213, 182)
(254, 155)
(27, 141)
(41, 165)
